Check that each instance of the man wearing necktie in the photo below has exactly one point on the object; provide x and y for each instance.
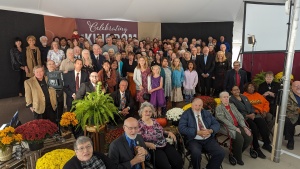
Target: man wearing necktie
(97, 57)
(129, 150)
(88, 87)
(123, 100)
(205, 65)
(72, 82)
(199, 127)
(235, 77)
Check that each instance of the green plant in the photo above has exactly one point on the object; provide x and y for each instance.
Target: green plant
(259, 78)
(96, 109)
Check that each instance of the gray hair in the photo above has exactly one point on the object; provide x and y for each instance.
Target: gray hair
(222, 93)
(43, 37)
(82, 140)
(143, 106)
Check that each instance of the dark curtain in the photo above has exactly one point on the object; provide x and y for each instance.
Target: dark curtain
(15, 24)
(270, 62)
(198, 30)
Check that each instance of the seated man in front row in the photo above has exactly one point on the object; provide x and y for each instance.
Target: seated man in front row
(123, 100)
(121, 150)
(199, 127)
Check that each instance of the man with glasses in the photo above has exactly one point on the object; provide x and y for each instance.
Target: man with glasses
(86, 158)
(88, 86)
(129, 150)
(235, 77)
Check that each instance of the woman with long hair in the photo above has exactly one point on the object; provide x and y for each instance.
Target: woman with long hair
(87, 66)
(107, 76)
(140, 77)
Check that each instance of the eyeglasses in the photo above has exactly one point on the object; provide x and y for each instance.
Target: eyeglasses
(132, 128)
(81, 149)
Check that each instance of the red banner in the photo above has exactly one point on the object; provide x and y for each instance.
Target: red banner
(91, 28)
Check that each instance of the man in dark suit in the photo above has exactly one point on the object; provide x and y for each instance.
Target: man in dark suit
(205, 65)
(121, 150)
(235, 77)
(88, 86)
(97, 57)
(199, 128)
(72, 81)
(123, 100)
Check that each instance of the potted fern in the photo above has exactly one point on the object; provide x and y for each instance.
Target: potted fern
(95, 109)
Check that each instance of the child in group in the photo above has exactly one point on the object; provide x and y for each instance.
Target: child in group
(75, 35)
(120, 63)
(157, 98)
(168, 78)
(177, 80)
(140, 75)
(190, 82)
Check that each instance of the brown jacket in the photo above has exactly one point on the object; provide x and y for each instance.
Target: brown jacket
(34, 95)
(292, 109)
(110, 83)
(30, 61)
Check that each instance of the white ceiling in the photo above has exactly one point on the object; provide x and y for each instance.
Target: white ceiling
(174, 11)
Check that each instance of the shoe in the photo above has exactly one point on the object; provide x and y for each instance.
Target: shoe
(290, 145)
(240, 162)
(267, 147)
(260, 154)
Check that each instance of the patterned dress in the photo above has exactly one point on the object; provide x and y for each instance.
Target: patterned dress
(140, 93)
(157, 97)
(168, 82)
(153, 134)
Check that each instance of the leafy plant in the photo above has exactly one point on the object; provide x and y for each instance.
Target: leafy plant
(95, 109)
(259, 78)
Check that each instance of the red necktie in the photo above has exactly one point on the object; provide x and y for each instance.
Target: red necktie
(238, 79)
(77, 82)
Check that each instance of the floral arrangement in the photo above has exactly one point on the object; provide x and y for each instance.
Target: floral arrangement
(36, 131)
(218, 101)
(174, 114)
(68, 119)
(187, 106)
(8, 137)
(111, 135)
(208, 102)
(55, 159)
(279, 75)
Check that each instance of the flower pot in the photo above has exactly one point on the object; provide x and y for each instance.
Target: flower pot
(6, 154)
(35, 146)
(66, 132)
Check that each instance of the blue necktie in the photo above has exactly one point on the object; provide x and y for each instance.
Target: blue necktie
(205, 59)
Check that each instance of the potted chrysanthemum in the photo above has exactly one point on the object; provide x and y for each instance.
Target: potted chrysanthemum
(8, 138)
(174, 115)
(67, 121)
(55, 159)
(36, 131)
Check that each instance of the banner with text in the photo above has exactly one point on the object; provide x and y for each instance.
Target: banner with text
(91, 28)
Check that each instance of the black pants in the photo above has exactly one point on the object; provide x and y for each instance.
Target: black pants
(22, 77)
(289, 128)
(240, 143)
(259, 125)
(167, 158)
(211, 146)
(49, 114)
(205, 84)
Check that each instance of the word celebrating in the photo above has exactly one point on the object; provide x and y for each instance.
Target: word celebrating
(105, 27)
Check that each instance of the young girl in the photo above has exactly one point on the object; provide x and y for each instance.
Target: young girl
(168, 78)
(157, 98)
(190, 82)
(177, 80)
(120, 63)
(140, 75)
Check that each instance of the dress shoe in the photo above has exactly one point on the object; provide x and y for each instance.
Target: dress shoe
(260, 154)
(240, 162)
(267, 147)
(290, 145)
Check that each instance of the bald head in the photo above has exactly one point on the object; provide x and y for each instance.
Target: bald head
(197, 105)
(131, 127)
(296, 87)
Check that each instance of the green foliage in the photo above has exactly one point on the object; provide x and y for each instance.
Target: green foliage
(96, 109)
(259, 78)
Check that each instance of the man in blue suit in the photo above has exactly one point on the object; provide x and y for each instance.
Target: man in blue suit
(199, 128)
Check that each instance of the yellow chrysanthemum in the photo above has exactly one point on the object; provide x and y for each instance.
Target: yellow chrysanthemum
(218, 101)
(279, 75)
(9, 129)
(187, 106)
(18, 137)
(6, 140)
(2, 133)
(55, 159)
(68, 118)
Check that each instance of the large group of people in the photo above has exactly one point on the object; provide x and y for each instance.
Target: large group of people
(171, 70)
